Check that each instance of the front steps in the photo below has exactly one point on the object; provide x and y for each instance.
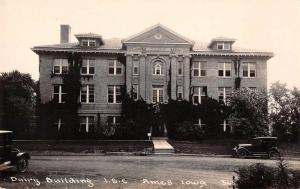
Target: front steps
(162, 146)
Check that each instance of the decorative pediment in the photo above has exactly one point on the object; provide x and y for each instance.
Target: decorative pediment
(158, 34)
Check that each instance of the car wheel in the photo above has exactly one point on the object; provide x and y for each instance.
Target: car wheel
(22, 165)
(242, 154)
(274, 154)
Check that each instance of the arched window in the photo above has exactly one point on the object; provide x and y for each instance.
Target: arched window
(157, 68)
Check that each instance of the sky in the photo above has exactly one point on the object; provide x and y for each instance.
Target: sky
(267, 25)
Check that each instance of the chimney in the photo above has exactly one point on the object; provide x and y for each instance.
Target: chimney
(65, 32)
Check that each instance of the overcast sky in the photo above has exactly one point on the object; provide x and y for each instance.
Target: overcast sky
(257, 24)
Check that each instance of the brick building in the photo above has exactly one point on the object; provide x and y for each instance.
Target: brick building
(153, 59)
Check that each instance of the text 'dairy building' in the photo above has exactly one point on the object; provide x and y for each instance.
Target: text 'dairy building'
(146, 63)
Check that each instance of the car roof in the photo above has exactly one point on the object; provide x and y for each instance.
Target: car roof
(5, 131)
(272, 138)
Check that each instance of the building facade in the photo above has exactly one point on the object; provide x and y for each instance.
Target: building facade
(152, 61)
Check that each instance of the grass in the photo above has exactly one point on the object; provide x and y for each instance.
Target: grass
(84, 146)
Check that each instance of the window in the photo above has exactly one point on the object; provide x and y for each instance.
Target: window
(60, 66)
(157, 94)
(225, 125)
(179, 92)
(198, 69)
(59, 124)
(223, 46)
(59, 94)
(87, 94)
(224, 69)
(113, 120)
(135, 68)
(88, 67)
(223, 94)
(249, 69)
(115, 67)
(114, 94)
(157, 69)
(199, 94)
(89, 42)
(135, 92)
(198, 121)
(179, 68)
(86, 124)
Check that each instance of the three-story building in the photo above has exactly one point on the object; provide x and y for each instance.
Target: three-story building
(152, 60)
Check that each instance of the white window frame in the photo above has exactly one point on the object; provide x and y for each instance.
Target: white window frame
(249, 69)
(135, 64)
(157, 91)
(89, 41)
(179, 92)
(60, 93)
(87, 94)
(225, 125)
(59, 123)
(199, 94)
(197, 66)
(224, 69)
(87, 123)
(180, 67)
(114, 118)
(157, 67)
(115, 66)
(136, 91)
(88, 67)
(225, 95)
(225, 46)
(114, 94)
(200, 124)
(61, 61)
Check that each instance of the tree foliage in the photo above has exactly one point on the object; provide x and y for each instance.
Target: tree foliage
(249, 113)
(285, 111)
(19, 91)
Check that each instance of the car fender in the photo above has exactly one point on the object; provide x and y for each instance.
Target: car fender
(243, 148)
(23, 154)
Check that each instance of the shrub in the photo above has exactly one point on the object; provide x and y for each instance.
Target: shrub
(254, 176)
(188, 131)
(259, 176)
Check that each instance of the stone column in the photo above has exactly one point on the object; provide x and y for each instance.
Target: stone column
(173, 76)
(128, 69)
(143, 76)
(186, 77)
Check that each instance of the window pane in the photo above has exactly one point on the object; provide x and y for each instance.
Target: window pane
(221, 73)
(154, 94)
(220, 46)
(84, 70)
(135, 70)
(196, 72)
(161, 95)
(196, 90)
(92, 43)
(64, 69)
(92, 70)
(111, 70)
(227, 73)
(56, 97)
(83, 93)
(203, 72)
(84, 43)
(91, 93)
(56, 88)
(195, 99)
(119, 71)
(56, 69)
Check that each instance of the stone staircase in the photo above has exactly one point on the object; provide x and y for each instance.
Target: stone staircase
(161, 145)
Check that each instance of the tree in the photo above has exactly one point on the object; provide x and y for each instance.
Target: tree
(19, 102)
(284, 111)
(249, 113)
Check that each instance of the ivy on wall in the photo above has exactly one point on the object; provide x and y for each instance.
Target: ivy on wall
(67, 112)
(238, 79)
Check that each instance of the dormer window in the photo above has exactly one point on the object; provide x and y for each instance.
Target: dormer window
(223, 46)
(88, 42)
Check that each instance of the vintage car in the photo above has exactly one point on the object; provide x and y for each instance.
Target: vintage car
(10, 156)
(259, 146)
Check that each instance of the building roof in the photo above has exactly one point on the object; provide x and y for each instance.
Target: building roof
(221, 39)
(158, 26)
(88, 35)
(110, 45)
(114, 45)
(200, 48)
